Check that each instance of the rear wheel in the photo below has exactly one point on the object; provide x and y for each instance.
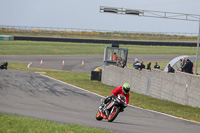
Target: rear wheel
(113, 114)
(98, 116)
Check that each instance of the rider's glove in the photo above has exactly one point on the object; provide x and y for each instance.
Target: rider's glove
(113, 96)
(125, 105)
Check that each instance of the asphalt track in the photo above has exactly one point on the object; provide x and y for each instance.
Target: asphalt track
(34, 95)
(74, 62)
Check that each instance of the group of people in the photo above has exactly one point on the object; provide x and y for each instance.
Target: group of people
(186, 66)
(139, 66)
(121, 64)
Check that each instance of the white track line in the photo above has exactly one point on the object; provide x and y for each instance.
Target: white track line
(128, 105)
(29, 64)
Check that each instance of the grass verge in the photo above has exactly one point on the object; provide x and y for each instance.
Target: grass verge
(83, 80)
(20, 124)
(65, 48)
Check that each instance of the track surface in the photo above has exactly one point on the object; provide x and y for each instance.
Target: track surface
(31, 94)
(74, 62)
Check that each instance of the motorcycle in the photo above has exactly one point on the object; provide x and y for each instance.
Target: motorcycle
(111, 110)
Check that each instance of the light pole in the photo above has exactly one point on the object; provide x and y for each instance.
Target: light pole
(197, 54)
(156, 14)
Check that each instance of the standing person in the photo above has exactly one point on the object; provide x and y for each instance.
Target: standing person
(180, 61)
(136, 64)
(156, 66)
(123, 63)
(188, 66)
(115, 57)
(183, 65)
(149, 66)
(118, 63)
(123, 90)
(142, 66)
(170, 69)
(4, 65)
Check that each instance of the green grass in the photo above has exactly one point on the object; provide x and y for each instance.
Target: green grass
(64, 48)
(20, 124)
(83, 80)
(48, 48)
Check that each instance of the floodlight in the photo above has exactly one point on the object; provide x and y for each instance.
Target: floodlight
(133, 12)
(109, 9)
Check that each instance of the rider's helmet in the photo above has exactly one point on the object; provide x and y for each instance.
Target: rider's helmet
(126, 88)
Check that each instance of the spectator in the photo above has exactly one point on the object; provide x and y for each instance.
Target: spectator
(183, 65)
(170, 69)
(180, 61)
(156, 66)
(142, 66)
(4, 65)
(123, 63)
(115, 57)
(136, 64)
(149, 66)
(118, 63)
(188, 66)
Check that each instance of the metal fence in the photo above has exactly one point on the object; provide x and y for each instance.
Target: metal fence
(91, 32)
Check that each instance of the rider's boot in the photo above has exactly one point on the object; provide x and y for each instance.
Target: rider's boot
(102, 110)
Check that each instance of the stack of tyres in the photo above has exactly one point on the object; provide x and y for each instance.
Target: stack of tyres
(96, 75)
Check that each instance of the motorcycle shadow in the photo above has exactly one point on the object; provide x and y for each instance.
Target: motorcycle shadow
(125, 123)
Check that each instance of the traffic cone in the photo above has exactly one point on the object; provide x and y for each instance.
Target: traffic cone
(63, 62)
(41, 62)
(82, 62)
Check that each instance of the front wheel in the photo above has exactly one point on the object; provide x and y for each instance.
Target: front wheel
(98, 116)
(113, 114)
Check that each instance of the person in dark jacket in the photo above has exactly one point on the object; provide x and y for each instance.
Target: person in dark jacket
(183, 65)
(123, 63)
(170, 69)
(136, 64)
(142, 66)
(188, 66)
(149, 66)
(156, 66)
(4, 65)
(180, 62)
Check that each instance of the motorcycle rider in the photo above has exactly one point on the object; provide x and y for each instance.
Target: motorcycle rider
(123, 90)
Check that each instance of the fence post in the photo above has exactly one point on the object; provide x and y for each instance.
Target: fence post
(148, 83)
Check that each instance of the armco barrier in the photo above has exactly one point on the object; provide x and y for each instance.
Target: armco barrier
(177, 87)
(103, 41)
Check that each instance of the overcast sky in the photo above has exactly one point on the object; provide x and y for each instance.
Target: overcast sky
(84, 14)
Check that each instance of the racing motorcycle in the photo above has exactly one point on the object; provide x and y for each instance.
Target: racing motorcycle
(111, 110)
